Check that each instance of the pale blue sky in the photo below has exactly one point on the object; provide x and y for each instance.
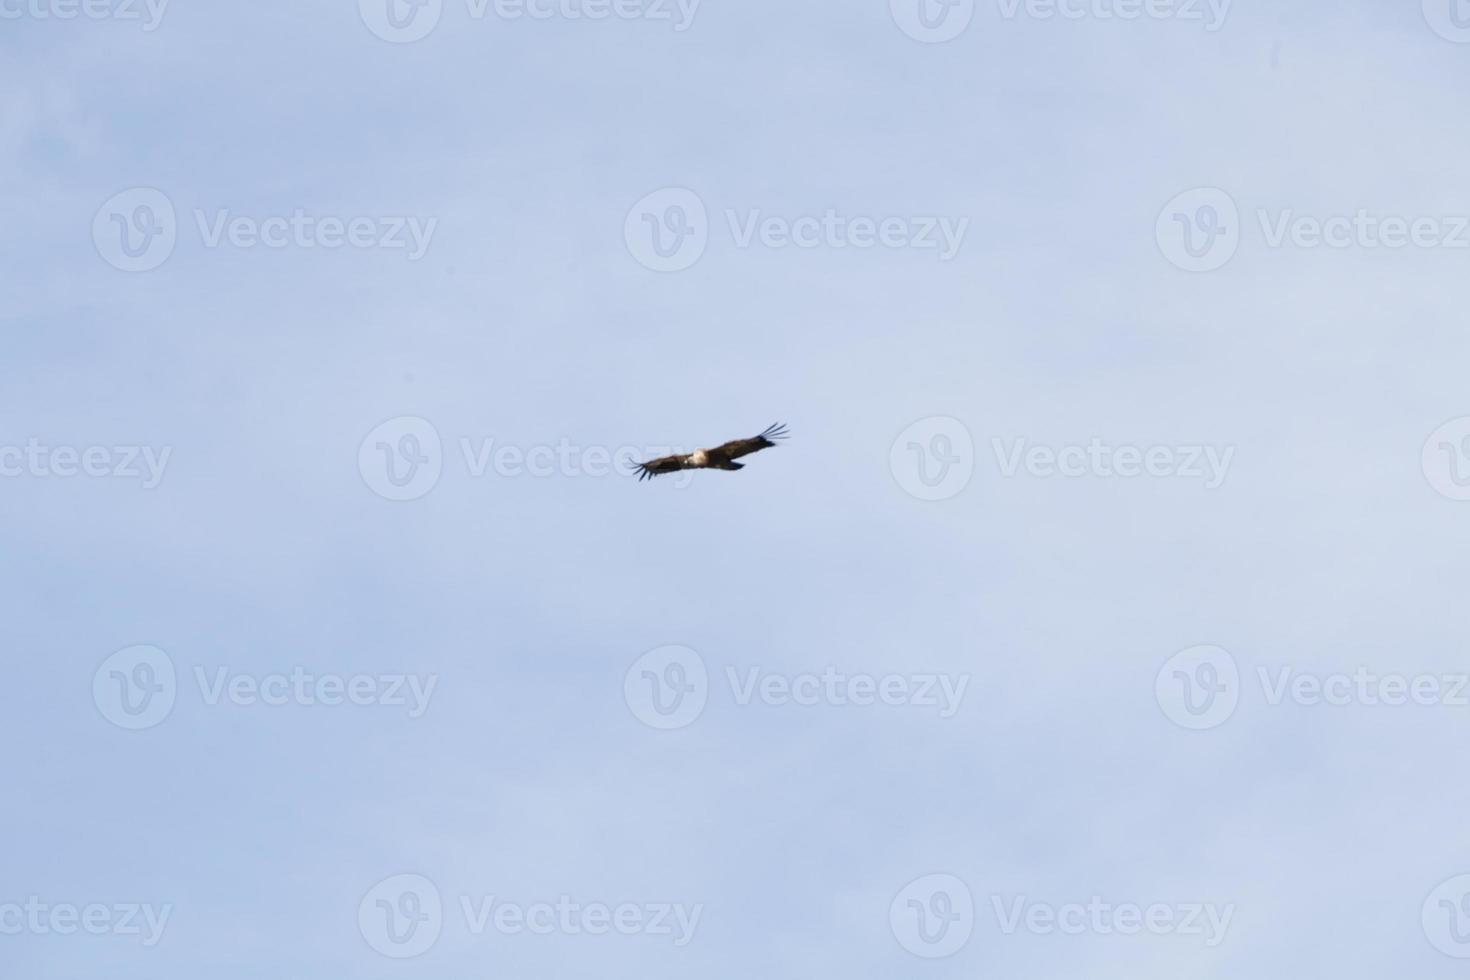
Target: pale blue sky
(530, 321)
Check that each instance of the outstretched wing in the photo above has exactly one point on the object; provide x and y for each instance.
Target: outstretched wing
(660, 466)
(744, 447)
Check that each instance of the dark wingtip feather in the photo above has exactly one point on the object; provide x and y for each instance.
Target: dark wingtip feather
(777, 431)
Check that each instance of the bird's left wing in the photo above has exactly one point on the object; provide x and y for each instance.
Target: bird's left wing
(660, 466)
(744, 447)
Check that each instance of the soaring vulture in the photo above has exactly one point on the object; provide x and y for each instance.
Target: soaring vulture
(718, 458)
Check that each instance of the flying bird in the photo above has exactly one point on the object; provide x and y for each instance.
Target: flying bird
(718, 458)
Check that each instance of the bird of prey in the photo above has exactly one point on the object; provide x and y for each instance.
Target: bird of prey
(718, 458)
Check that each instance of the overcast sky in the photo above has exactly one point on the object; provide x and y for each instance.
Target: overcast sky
(1103, 614)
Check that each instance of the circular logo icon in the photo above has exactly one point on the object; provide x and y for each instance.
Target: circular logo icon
(1450, 19)
(667, 688)
(136, 230)
(668, 230)
(135, 688)
(934, 458)
(401, 459)
(1446, 917)
(401, 21)
(932, 21)
(933, 916)
(1198, 688)
(1199, 230)
(1446, 459)
(402, 916)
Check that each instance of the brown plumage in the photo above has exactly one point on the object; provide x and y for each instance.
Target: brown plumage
(718, 458)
